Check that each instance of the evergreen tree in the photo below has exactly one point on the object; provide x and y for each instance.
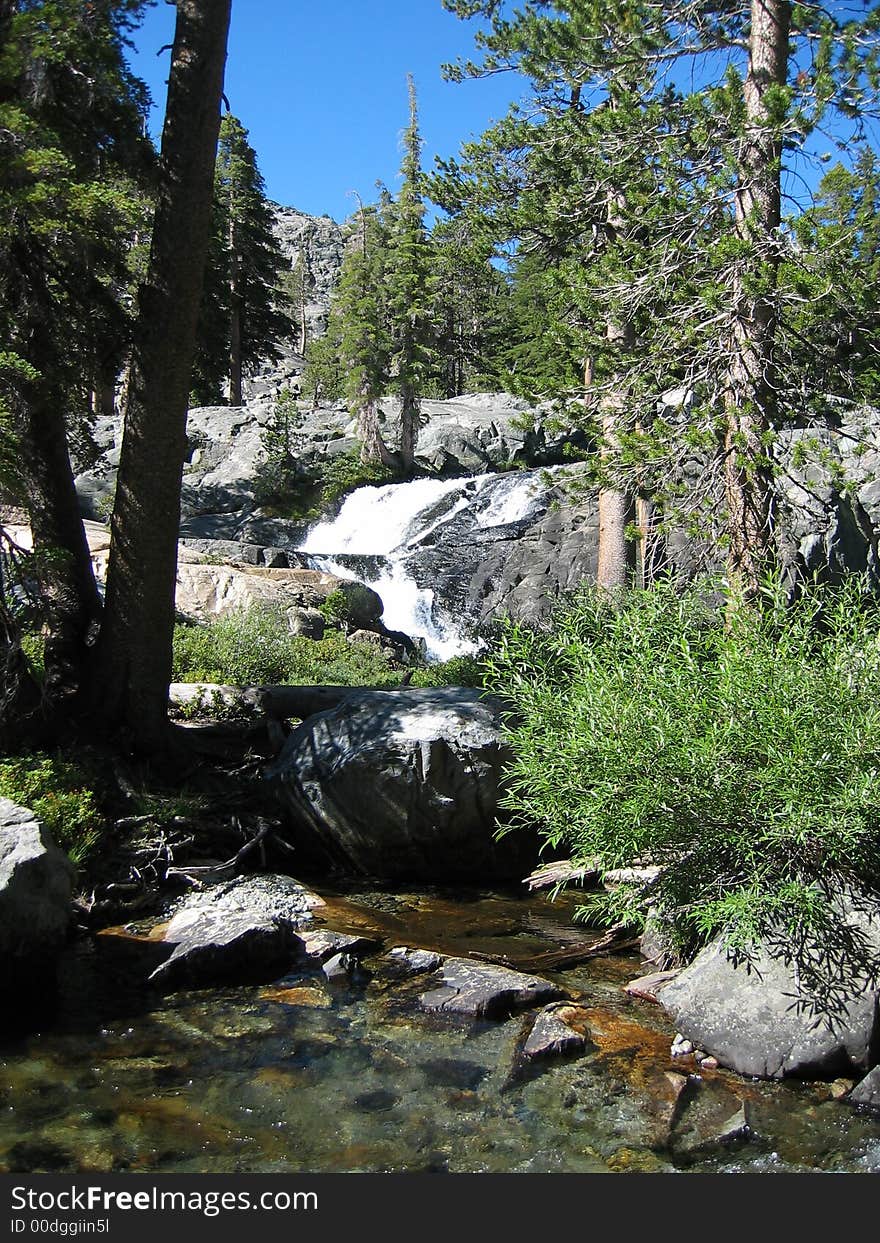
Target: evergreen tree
(470, 305)
(243, 316)
(360, 323)
(72, 156)
(132, 669)
(409, 292)
(700, 293)
(834, 311)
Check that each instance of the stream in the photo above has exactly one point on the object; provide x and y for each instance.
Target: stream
(309, 1075)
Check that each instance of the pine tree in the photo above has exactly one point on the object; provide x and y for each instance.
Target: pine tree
(834, 311)
(409, 292)
(243, 316)
(360, 323)
(470, 305)
(132, 669)
(73, 165)
(701, 282)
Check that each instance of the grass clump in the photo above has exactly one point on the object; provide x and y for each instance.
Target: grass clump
(738, 749)
(56, 790)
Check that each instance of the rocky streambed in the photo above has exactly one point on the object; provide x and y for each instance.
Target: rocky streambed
(375, 1045)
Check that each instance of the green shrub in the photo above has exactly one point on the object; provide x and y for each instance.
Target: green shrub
(33, 645)
(739, 750)
(55, 791)
(459, 671)
(257, 648)
(344, 473)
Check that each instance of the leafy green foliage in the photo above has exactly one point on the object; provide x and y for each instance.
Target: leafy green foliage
(74, 168)
(57, 792)
(307, 488)
(735, 749)
(257, 648)
(457, 671)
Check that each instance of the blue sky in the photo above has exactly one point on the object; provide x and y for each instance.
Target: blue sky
(321, 86)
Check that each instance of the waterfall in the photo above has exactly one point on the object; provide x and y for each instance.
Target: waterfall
(388, 526)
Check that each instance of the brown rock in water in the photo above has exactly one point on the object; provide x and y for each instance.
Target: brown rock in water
(304, 996)
(558, 1030)
(324, 943)
(646, 986)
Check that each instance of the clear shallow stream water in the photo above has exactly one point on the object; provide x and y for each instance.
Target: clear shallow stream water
(301, 1075)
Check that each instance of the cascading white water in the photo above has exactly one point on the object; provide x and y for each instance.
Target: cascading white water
(389, 522)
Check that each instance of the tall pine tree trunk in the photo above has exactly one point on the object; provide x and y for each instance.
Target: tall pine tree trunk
(751, 394)
(134, 665)
(70, 591)
(409, 429)
(235, 300)
(616, 558)
(373, 446)
(617, 554)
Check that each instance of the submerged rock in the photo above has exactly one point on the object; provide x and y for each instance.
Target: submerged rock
(748, 1017)
(323, 943)
(36, 884)
(648, 986)
(483, 990)
(242, 929)
(403, 785)
(404, 963)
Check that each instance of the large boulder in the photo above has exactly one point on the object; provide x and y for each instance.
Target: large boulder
(403, 784)
(753, 1018)
(36, 884)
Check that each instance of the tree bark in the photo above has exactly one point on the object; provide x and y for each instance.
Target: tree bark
(751, 394)
(134, 658)
(68, 581)
(616, 560)
(235, 394)
(409, 430)
(373, 446)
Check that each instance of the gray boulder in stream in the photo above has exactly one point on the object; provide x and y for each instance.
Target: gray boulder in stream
(404, 783)
(751, 1017)
(484, 990)
(36, 883)
(243, 929)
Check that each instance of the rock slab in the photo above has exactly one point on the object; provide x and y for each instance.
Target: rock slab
(242, 929)
(750, 1021)
(485, 991)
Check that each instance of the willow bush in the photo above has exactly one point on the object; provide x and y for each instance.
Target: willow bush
(736, 747)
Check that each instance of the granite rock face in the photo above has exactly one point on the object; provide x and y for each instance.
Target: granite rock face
(36, 885)
(402, 784)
